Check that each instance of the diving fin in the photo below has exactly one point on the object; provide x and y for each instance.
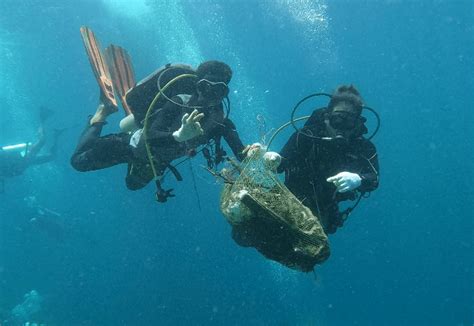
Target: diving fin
(98, 64)
(121, 72)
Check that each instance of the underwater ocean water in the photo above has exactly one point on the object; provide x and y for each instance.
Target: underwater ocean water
(109, 256)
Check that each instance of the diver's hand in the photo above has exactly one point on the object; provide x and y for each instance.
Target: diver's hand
(254, 149)
(345, 181)
(272, 160)
(190, 127)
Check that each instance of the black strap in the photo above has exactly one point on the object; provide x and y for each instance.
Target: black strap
(215, 155)
(207, 155)
(345, 213)
(175, 172)
(220, 153)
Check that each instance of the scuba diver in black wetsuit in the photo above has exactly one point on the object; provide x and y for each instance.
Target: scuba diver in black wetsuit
(329, 160)
(15, 159)
(191, 118)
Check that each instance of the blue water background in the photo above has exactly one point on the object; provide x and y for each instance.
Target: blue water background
(405, 256)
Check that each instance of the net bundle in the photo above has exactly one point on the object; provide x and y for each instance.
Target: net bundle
(265, 215)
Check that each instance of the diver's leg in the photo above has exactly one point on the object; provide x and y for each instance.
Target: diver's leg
(32, 153)
(138, 176)
(94, 152)
(34, 149)
(41, 159)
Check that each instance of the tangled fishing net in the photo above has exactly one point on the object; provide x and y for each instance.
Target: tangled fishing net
(264, 214)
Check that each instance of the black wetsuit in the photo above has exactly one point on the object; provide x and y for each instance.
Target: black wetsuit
(308, 162)
(95, 152)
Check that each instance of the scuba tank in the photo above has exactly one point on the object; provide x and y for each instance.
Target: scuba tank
(21, 148)
(140, 97)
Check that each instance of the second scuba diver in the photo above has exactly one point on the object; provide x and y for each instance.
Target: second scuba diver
(329, 160)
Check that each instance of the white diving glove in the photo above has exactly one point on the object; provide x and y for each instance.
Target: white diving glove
(255, 149)
(345, 181)
(190, 127)
(271, 159)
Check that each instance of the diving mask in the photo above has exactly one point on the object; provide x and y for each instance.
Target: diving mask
(212, 90)
(342, 120)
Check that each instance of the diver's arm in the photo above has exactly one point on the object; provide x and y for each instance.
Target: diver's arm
(232, 138)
